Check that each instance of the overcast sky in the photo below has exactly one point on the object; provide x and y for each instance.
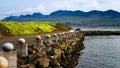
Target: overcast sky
(17, 7)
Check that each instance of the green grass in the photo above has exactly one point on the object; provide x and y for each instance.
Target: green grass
(26, 28)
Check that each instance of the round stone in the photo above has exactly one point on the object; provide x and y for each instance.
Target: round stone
(21, 40)
(48, 36)
(3, 62)
(7, 47)
(63, 33)
(59, 34)
(38, 37)
(55, 35)
(71, 31)
(68, 32)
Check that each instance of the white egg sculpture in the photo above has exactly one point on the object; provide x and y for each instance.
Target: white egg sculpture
(7, 47)
(3, 62)
(21, 40)
(71, 31)
(59, 34)
(38, 37)
(54, 35)
(63, 33)
(48, 35)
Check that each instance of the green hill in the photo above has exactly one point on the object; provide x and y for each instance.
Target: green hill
(26, 28)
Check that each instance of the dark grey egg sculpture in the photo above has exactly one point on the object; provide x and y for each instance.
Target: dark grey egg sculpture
(7, 47)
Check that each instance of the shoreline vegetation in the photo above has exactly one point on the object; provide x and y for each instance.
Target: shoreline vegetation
(10, 28)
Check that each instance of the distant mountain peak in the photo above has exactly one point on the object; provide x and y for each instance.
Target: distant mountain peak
(37, 14)
(110, 10)
(62, 13)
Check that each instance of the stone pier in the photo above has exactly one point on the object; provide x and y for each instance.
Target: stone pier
(60, 50)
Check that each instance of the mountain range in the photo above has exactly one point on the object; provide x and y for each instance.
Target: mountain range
(94, 18)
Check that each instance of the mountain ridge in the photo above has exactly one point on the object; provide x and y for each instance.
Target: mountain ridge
(92, 18)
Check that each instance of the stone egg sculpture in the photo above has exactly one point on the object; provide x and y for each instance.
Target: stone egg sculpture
(59, 34)
(21, 40)
(48, 36)
(7, 47)
(54, 35)
(3, 62)
(63, 33)
(38, 37)
(71, 31)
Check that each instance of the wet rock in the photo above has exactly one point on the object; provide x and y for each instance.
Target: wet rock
(42, 62)
(27, 66)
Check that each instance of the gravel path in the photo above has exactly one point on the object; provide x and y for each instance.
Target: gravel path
(29, 38)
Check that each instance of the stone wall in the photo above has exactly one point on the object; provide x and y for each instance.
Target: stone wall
(60, 50)
(61, 54)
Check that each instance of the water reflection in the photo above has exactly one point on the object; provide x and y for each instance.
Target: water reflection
(100, 52)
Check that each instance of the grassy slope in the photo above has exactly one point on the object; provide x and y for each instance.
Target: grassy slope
(25, 28)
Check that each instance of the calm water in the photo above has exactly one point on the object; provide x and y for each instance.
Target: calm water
(100, 52)
(97, 28)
